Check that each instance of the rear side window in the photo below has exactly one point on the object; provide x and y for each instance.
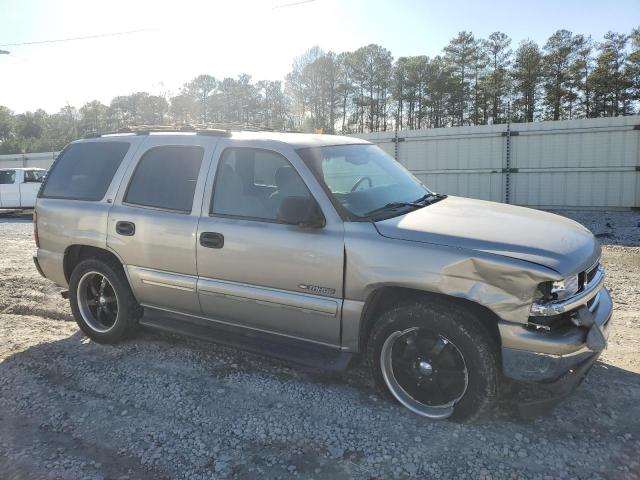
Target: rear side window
(7, 177)
(33, 176)
(166, 178)
(83, 171)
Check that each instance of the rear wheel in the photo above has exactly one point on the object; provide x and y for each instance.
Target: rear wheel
(102, 301)
(436, 359)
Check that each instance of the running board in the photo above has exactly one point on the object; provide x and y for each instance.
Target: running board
(303, 353)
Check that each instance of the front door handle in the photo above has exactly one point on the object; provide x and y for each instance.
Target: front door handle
(126, 228)
(211, 240)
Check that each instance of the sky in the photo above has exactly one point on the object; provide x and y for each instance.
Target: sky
(176, 41)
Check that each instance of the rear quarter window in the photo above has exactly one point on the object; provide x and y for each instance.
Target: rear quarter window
(84, 171)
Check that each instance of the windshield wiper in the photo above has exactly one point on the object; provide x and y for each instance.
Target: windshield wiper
(430, 198)
(393, 206)
(423, 201)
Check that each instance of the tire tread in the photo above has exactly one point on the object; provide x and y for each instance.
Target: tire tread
(416, 312)
(129, 311)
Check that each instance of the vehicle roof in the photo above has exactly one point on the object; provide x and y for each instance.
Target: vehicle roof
(22, 168)
(298, 140)
(295, 140)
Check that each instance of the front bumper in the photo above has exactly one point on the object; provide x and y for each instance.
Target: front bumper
(534, 356)
(536, 401)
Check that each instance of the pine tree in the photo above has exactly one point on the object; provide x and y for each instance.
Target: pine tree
(497, 81)
(580, 70)
(559, 54)
(633, 65)
(459, 55)
(610, 81)
(527, 76)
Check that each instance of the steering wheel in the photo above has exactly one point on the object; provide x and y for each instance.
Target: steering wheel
(360, 180)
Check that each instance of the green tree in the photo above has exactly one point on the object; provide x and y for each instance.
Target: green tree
(273, 112)
(93, 117)
(559, 55)
(497, 79)
(62, 127)
(183, 109)
(527, 77)
(438, 89)
(580, 70)
(138, 108)
(372, 67)
(633, 65)
(200, 88)
(7, 124)
(609, 80)
(318, 89)
(479, 62)
(418, 90)
(459, 55)
(345, 87)
(31, 124)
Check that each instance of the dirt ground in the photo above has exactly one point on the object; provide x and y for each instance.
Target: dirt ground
(161, 406)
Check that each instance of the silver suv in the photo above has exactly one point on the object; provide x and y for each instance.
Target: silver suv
(318, 249)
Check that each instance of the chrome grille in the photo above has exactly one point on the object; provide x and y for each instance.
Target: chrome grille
(591, 272)
(588, 275)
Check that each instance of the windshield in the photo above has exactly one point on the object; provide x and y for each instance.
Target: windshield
(363, 178)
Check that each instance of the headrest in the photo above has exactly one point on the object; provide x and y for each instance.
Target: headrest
(285, 175)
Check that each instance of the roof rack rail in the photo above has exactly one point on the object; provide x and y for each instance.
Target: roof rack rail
(147, 129)
(210, 129)
(232, 126)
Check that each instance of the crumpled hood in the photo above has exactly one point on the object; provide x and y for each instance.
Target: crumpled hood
(523, 233)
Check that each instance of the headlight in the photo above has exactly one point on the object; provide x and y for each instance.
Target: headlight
(563, 289)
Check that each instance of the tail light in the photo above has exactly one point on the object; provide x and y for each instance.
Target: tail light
(35, 229)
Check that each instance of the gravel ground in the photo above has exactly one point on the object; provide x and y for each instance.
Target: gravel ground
(161, 406)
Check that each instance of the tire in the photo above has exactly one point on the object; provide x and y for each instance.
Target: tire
(106, 312)
(436, 359)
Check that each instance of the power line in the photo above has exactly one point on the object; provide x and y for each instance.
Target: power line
(72, 39)
(292, 4)
(115, 34)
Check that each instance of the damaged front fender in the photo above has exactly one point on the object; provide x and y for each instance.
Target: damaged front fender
(504, 285)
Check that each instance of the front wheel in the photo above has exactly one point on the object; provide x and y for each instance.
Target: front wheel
(102, 301)
(436, 359)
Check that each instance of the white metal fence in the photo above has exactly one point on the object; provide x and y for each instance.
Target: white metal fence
(39, 160)
(591, 163)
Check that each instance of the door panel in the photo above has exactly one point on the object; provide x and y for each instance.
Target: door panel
(256, 272)
(261, 277)
(270, 309)
(9, 188)
(153, 223)
(170, 290)
(161, 251)
(28, 192)
(261, 295)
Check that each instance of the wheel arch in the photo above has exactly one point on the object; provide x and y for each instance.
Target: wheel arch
(74, 254)
(387, 297)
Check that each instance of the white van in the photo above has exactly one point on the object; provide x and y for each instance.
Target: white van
(19, 187)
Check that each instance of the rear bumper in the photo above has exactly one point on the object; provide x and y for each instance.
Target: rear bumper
(50, 266)
(37, 264)
(547, 357)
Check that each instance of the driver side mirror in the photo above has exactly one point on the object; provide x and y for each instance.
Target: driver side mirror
(301, 211)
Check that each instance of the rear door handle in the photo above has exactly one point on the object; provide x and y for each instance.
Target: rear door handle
(211, 240)
(126, 228)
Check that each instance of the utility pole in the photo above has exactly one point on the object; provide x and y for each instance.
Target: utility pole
(507, 178)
